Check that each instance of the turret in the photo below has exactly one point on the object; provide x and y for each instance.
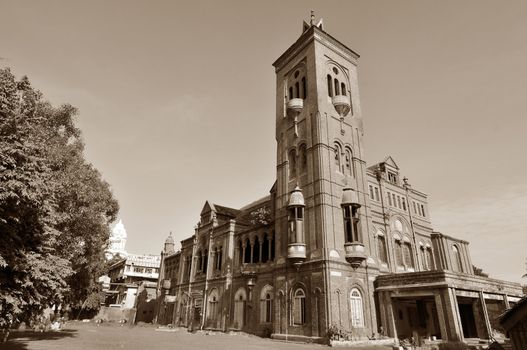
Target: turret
(296, 249)
(354, 247)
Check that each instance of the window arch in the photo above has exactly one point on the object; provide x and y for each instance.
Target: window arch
(348, 162)
(266, 304)
(292, 163)
(299, 307)
(337, 87)
(407, 255)
(457, 264)
(343, 89)
(330, 86)
(297, 83)
(303, 158)
(357, 311)
(428, 258)
(381, 247)
(338, 153)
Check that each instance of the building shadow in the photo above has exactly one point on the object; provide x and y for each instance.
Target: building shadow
(20, 340)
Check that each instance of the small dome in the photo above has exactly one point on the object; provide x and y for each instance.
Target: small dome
(296, 199)
(118, 230)
(169, 239)
(350, 197)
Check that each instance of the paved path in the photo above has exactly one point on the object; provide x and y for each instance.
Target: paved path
(78, 336)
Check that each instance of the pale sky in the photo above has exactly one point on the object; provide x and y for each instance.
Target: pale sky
(177, 103)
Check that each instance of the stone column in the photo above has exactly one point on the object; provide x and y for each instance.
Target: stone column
(485, 312)
(260, 242)
(252, 251)
(506, 301)
(387, 314)
(441, 316)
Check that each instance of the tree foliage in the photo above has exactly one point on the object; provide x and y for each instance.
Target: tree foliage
(55, 209)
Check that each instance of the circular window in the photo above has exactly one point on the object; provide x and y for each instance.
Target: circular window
(335, 70)
(296, 74)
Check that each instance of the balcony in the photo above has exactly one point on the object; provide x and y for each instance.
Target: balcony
(296, 251)
(355, 253)
(341, 104)
(295, 106)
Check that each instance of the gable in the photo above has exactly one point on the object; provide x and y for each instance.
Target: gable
(390, 162)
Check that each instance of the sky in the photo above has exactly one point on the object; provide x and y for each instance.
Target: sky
(177, 103)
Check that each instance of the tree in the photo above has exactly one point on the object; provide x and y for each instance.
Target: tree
(55, 209)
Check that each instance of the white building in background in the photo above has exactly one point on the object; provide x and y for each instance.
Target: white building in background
(117, 242)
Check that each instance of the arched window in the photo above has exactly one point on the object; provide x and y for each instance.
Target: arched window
(304, 88)
(457, 265)
(343, 89)
(357, 312)
(408, 256)
(297, 90)
(266, 304)
(265, 249)
(205, 261)
(337, 92)
(200, 261)
(381, 247)
(399, 253)
(330, 86)
(351, 224)
(348, 162)
(247, 252)
(292, 164)
(256, 250)
(290, 92)
(303, 159)
(338, 152)
(428, 258)
(299, 307)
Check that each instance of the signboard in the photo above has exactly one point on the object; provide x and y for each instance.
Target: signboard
(170, 298)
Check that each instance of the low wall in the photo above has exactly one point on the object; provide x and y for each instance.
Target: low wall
(115, 314)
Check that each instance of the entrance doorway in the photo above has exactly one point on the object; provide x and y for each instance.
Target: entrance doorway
(468, 323)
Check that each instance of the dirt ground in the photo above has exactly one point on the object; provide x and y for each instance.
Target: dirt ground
(84, 336)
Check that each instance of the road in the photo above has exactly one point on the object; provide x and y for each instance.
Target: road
(87, 336)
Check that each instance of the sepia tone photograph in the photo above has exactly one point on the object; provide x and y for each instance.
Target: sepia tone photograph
(295, 174)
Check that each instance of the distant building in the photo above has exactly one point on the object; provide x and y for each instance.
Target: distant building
(127, 274)
(117, 242)
(336, 243)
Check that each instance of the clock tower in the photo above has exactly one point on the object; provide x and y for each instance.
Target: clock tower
(322, 218)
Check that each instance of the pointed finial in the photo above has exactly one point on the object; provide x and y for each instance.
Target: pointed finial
(312, 21)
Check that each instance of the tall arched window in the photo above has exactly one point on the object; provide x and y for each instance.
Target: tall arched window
(330, 86)
(381, 247)
(349, 167)
(299, 307)
(343, 89)
(428, 258)
(297, 90)
(338, 152)
(304, 88)
(292, 163)
(240, 252)
(303, 159)
(266, 304)
(337, 92)
(199, 263)
(290, 92)
(408, 256)
(256, 250)
(399, 253)
(456, 259)
(357, 312)
(247, 252)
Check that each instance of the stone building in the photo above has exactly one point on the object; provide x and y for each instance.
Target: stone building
(335, 242)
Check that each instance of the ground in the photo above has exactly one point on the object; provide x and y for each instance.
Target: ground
(86, 336)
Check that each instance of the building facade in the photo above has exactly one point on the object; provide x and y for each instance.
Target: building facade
(335, 242)
(127, 275)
